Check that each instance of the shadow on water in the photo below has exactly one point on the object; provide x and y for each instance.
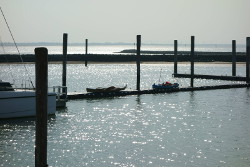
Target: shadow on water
(18, 121)
(193, 99)
(62, 110)
(138, 102)
(25, 121)
(101, 100)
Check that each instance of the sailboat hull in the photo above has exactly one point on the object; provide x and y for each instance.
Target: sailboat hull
(22, 104)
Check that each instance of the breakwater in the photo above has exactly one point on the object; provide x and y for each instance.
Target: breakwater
(146, 56)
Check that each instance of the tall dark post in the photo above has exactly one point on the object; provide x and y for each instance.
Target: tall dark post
(248, 61)
(233, 58)
(64, 74)
(138, 59)
(86, 51)
(175, 56)
(192, 61)
(41, 106)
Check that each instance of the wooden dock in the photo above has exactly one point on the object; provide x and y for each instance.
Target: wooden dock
(72, 96)
(215, 77)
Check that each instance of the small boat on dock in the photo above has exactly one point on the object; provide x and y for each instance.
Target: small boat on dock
(108, 89)
(165, 85)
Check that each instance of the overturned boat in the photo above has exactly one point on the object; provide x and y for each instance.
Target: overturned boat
(108, 89)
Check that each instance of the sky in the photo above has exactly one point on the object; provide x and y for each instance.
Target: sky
(157, 21)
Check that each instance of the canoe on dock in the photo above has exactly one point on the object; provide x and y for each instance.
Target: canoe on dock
(108, 89)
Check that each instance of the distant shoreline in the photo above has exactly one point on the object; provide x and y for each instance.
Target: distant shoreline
(109, 43)
(127, 58)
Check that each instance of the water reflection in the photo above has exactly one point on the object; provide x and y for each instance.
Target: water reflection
(201, 128)
(138, 102)
(14, 134)
(104, 75)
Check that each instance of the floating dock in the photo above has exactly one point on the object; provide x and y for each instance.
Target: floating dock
(215, 77)
(72, 96)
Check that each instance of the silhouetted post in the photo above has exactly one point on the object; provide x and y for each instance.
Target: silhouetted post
(192, 61)
(64, 74)
(41, 106)
(138, 59)
(233, 58)
(248, 61)
(175, 56)
(86, 52)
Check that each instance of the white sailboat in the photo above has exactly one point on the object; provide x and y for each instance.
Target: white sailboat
(14, 103)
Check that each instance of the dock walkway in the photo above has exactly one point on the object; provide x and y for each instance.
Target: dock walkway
(215, 77)
(72, 96)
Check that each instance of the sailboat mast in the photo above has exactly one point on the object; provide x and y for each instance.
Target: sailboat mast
(16, 46)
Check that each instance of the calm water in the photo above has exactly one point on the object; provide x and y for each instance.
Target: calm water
(201, 128)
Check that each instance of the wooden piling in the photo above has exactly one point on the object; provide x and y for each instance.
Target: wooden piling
(86, 51)
(192, 61)
(248, 61)
(138, 59)
(175, 56)
(41, 106)
(64, 73)
(233, 58)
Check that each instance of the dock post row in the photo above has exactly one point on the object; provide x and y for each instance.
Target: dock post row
(192, 76)
(232, 78)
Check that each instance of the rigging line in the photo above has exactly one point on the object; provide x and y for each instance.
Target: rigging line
(16, 47)
(7, 59)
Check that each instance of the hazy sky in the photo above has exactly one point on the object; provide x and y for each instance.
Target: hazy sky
(158, 21)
